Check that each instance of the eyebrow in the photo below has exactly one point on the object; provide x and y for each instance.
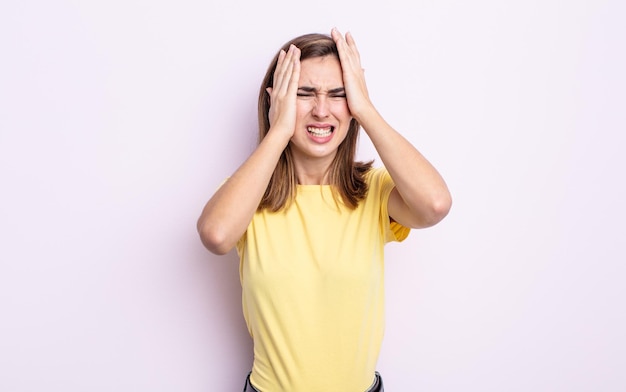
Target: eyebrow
(308, 89)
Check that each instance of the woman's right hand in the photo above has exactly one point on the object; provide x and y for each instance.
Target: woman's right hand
(283, 94)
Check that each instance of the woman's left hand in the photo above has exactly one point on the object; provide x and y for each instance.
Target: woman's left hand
(353, 74)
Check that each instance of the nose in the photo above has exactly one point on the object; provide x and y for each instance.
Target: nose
(320, 107)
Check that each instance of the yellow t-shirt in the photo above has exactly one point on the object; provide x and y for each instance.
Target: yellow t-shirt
(313, 289)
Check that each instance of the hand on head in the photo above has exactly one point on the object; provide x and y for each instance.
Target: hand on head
(353, 73)
(282, 114)
(283, 93)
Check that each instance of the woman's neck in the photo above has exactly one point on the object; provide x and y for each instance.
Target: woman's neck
(312, 173)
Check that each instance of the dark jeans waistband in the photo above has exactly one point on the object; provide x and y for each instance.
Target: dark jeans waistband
(377, 386)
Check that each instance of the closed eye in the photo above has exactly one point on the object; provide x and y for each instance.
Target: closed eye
(338, 92)
(306, 92)
(310, 92)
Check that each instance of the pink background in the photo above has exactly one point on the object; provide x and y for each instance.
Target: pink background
(119, 118)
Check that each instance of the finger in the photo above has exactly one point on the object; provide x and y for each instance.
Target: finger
(339, 40)
(279, 67)
(295, 73)
(352, 44)
(348, 55)
(336, 34)
(341, 45)
(281, 58)
(282, 70)
(287, 74)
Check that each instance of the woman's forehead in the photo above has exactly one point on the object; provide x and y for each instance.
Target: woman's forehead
(321, 72)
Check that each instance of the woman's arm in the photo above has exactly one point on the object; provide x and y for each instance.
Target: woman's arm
(421, 197)
(228, 213)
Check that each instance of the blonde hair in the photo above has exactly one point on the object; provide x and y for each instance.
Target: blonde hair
(346, 176)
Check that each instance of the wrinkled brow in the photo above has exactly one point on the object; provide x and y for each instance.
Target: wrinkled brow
(307, 89)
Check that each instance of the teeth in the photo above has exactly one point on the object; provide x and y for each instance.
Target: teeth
(322, 132)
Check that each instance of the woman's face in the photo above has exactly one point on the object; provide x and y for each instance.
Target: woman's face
(322, 117)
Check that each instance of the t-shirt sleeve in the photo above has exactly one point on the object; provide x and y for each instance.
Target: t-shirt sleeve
(383, 184)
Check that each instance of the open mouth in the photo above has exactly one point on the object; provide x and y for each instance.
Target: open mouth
(321, 132)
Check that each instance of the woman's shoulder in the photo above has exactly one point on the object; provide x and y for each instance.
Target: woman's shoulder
(377, 175)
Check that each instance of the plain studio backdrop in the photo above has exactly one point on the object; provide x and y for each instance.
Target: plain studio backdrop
(118, 119)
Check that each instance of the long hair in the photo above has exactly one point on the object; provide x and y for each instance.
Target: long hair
(346, 177)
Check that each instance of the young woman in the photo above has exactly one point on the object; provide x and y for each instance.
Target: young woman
(309, 223)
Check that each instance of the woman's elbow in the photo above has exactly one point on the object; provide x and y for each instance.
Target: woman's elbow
(214, 239)
(441, 208)
(437, 209)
